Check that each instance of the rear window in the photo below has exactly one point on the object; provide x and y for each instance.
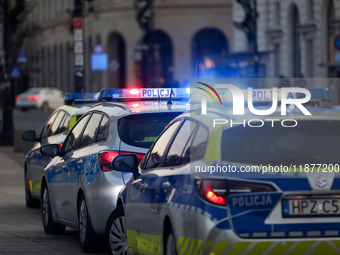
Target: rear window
(142, 130)
(310, 142)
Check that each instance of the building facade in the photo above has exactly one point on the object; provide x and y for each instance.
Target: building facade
(298, 37)
(184, 31)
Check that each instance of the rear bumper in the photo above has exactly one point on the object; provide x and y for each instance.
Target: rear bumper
(220, 241)
(101, 196)
(26, 104)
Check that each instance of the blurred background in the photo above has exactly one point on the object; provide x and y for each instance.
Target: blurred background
(87, 45)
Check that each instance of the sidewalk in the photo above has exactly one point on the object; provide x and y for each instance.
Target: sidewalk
(21, 230)
(18, 157)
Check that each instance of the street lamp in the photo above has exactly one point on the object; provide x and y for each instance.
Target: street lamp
(78, 41)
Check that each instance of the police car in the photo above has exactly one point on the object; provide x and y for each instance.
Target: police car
(79, 186)
(54, 131)
(204, 188)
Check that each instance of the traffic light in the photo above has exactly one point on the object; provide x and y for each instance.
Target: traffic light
(248, 25)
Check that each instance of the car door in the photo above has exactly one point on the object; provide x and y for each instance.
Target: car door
(137, 196)
(66, 166)
(164, 180)
(83, 158)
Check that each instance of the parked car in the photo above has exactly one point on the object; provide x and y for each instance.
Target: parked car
(79, 186)
(55, 131)
(40, 98)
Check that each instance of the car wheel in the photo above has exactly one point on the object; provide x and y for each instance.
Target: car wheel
(50, 227)
(170, 247)
(87, 235)
(115, 235)
(45, 107)
(30, 201)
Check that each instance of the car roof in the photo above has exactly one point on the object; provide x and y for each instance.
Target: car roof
(227, 113)
(78, 109)
(146, 106)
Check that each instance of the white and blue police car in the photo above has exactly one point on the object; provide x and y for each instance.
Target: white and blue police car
(79, 186)
(219, 189)
(54, 131)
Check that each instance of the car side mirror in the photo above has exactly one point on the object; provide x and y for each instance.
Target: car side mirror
(126, 163)
(50, 150)
(29, 136)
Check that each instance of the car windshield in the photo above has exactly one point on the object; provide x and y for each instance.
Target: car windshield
(33, 90)
(310, 142)
(142, 130)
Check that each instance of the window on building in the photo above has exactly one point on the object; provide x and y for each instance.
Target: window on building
(277, 57)
(310, 9)
(277, 13)
(309, 58)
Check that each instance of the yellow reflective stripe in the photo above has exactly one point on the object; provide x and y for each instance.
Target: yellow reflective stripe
(192, 244)
(302, 247)
(73, 121)
(280, 248)
(329, 249)
(260, 248)
(219, 248)
(179, 242)
(36, 187)
(207, 246)
(337, 243)
(30, 182)
(198, 247)
(185, 246)
(238, 248)
(213, 150)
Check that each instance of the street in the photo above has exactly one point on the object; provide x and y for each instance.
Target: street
(21, 230)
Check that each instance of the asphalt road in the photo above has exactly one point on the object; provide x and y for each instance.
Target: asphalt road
(28, 120)
(21, 230)
(31, 119)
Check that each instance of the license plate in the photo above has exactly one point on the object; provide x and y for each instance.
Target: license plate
(318, 207)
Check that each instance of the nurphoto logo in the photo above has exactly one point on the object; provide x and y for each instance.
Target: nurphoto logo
(286, 95)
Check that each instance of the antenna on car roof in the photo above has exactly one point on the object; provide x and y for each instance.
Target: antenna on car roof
(169, 103)
(158, 98)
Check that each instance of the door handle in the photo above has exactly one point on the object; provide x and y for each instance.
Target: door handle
(166, 185)
(80, 162)
(63, 167)
(144, 186)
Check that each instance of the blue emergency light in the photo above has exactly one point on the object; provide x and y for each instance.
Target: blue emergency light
(71, 98)
(143, 93)
(320, 94)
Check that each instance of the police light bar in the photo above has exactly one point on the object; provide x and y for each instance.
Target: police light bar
(80, 97)
(263, 96)
(144, 93)
(319, 94)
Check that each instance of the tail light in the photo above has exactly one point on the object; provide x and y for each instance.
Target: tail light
(36, 97)
(17, 98)
(30, 98)
(217, 191)
(105, 158)
(60, 145)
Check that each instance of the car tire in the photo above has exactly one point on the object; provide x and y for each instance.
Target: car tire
(50, 227)
(30, 201)
(170, 243)
(45, 107)
(87, 236)
(115, 234)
